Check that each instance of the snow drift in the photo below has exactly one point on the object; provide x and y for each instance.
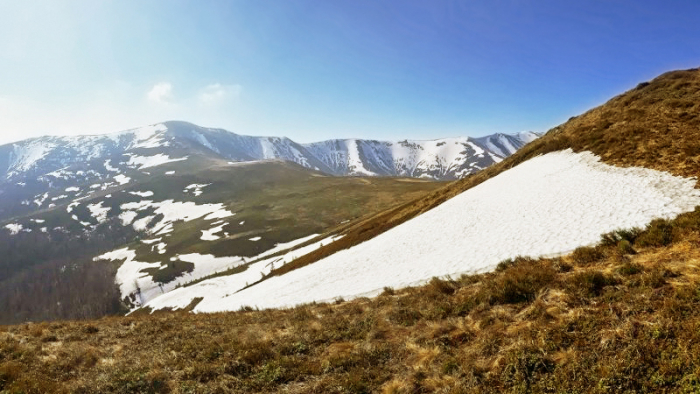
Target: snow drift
(548, 205)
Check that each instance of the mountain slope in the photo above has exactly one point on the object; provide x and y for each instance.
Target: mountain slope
(173, 203)
(446, 158)
(622, 316)
(614, 139)
(635, 124)
(179, 221)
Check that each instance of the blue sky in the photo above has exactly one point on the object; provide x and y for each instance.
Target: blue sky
(314, 70)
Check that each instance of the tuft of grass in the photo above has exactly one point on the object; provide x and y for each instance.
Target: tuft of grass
(658, 233)
(587, 255)
(591, 282)
(625, 247)
(628, 269)
(520, 282)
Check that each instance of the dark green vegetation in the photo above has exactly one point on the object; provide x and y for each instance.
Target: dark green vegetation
(622, 322)
(41, 273)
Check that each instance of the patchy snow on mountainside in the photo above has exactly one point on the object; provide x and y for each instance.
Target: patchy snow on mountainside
(548, 205)
(14, 228)
(132, 281)
(142, 162)
(209, 235)
(25, 156)
(147, 193)
(121, 179)
(225, 286)
(147, 136)
(98, 211)
(171, 211)
(195, 188)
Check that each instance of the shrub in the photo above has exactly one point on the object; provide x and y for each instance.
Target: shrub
(520, 283)
(508, 263)
(439, 286)
(388, 291)
(625, 247)
(656, 277)
(404, 316)
(658, 233)
(628, 269)
(586, 255)
(590, 283)
(613, 238)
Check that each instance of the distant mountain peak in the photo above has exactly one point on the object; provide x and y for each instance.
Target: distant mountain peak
(445, 158)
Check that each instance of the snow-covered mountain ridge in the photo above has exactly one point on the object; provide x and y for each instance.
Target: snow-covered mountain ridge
(446, 158)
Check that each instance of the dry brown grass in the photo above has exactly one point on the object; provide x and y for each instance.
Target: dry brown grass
(532, 326)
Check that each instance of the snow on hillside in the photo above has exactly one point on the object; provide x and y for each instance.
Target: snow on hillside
(133, 282)
(142, 162)
(548, 205)
(225, 286)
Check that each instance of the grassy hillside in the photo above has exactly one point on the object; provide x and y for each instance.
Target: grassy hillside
(276, 201)
(620, 317)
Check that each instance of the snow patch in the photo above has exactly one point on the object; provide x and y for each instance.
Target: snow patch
(220, 288)
(196, 188)
(208, 235)
(142, 194)
(122, 179)
(548, 205)
(14, 228)
(142, 162)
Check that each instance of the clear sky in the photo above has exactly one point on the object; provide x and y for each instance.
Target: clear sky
(314, 70)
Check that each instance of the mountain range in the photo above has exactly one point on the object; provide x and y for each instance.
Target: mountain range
(447, 158)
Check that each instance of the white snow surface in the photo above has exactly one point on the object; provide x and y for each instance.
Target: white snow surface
(142, 194)
(25, 156)
(216, 289)
(122, 179)
(151, 161)
(196, 188)
(129, 275)
(286, 245)
(130, 278)
(172, 211)
(208, 235)
(548, 205)
(14, 228)
(127, 217)
(108, 167)
(99, 212)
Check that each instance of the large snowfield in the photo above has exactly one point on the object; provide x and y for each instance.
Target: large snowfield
(548, 205)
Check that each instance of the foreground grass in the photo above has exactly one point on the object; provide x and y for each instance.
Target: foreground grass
(620, 317)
